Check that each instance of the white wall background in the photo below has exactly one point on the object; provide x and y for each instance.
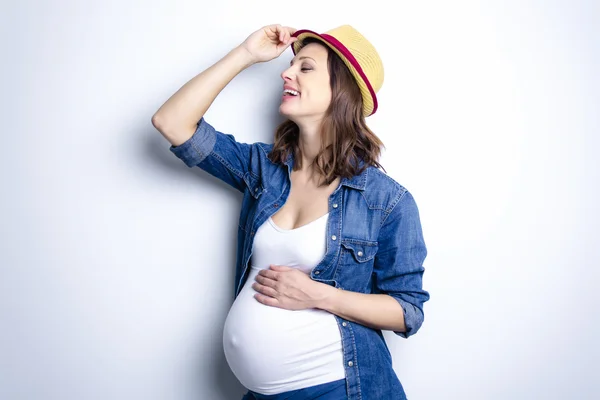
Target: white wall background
(116, 260)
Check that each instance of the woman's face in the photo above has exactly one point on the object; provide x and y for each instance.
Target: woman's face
(307, 78)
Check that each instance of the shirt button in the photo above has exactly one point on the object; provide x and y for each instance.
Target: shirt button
(333, 237)
(344, 323)
(350, 363)
(276, 205)
(360, 253)
(335, 205)
(316, 272)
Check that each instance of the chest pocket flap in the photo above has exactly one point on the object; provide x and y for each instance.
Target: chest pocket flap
(362, 250)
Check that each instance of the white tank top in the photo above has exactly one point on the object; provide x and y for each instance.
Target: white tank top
(272, 350)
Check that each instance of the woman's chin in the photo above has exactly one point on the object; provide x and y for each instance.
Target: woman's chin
(284, 110)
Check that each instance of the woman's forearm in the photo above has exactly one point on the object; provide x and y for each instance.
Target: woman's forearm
(378, 311)
(176, 119)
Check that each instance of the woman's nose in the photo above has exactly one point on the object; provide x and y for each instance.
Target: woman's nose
(286, 75)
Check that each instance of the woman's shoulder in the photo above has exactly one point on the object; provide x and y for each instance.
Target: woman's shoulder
(265, 147)
(378, 179)
(382, 189)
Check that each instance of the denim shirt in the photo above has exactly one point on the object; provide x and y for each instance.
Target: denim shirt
(374, 244)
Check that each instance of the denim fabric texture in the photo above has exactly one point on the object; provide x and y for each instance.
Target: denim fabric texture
(335, 390)
(374, 244)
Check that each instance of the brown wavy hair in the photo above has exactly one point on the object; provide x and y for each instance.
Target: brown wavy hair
(343, 127)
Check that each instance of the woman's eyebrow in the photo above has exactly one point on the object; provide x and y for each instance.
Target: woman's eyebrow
(301, 58)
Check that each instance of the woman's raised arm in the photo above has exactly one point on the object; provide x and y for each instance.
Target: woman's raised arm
(178, 117)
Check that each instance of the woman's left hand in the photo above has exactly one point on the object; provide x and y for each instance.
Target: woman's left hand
(289, 288)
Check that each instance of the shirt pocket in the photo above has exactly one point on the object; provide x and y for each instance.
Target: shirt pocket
(355, 265)
(357, 251)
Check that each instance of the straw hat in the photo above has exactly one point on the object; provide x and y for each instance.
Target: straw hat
(358, 54)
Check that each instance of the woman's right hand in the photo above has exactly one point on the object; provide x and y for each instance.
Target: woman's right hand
(268, 42)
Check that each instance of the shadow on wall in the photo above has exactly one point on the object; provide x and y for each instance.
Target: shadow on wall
(226, 384)
(161, 165)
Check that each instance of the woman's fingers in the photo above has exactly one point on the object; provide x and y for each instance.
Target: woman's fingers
(265, 280)
(268, 291)
(283, 33)
(289, 31)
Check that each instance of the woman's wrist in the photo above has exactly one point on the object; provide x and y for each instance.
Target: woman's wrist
(243, 56)
(328, 298)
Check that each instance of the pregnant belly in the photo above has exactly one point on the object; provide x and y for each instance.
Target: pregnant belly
(272, 350)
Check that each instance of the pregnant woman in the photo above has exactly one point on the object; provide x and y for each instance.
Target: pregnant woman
(330, 249)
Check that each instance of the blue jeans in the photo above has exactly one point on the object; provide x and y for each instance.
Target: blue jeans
(335, 390)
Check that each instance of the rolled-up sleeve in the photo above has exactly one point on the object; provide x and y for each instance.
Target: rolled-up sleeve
(217, 153)
(398, 266)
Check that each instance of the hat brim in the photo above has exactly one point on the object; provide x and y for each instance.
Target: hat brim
(366, 89)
